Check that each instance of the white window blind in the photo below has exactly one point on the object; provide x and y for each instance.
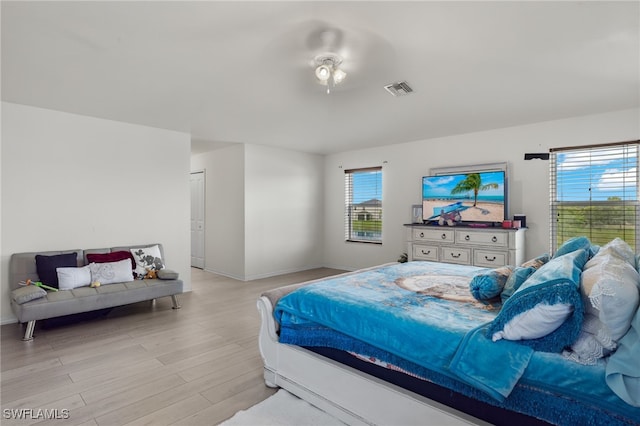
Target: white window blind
(363, 205)
(594, 192)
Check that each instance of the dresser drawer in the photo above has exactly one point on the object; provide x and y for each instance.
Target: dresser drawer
(440, 235)
(491, 259)
(496, 239)
(425, 252)
(456, 255)
(488, 247)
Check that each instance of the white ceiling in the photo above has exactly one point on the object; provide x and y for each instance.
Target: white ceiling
(240, 71)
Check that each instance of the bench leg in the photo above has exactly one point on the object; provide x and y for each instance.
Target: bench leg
(28, 333)
(174, 299)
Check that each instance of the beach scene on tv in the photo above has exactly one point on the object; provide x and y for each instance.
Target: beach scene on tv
(469, 197)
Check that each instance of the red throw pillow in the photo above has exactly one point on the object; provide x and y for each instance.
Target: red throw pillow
(114, 256)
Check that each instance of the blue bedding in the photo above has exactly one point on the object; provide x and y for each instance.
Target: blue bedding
(421, 316)
(374, 308)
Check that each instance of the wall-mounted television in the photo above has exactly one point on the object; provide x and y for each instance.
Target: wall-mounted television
(474, 196)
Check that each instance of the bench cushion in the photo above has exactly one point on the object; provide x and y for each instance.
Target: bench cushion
(84, 299)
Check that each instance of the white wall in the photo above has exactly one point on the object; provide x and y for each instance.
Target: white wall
(263, 210)
(283, 211)
(224, 209)
(407, 163)
(71, 181)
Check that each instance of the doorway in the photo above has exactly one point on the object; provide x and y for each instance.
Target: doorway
(197, 219)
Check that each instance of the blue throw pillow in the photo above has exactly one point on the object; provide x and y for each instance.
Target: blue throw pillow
(488, 285)
(518, 276)
(555, 284)
(571, 245)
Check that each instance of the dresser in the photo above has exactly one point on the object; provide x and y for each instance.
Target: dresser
(488, 247)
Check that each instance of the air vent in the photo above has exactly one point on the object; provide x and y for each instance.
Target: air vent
(401, 88)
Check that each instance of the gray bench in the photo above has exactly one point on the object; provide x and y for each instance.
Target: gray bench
(22, 266)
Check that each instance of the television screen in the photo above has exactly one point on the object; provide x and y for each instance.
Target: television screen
(466, 197)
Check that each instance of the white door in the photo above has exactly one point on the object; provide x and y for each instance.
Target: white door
(197, 220)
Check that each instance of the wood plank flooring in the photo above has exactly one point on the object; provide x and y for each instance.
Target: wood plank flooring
(144, 364)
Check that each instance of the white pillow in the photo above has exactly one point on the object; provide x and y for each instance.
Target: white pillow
(610, 290)
(147, 258)
(111, 272)
(593, 343)
(609, 287)
(70, 278)
(537, 322)
(616, 247)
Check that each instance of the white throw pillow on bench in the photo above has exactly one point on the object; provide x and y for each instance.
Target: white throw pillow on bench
(70, 278)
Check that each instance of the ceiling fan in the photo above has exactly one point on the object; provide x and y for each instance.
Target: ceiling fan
(337, 57)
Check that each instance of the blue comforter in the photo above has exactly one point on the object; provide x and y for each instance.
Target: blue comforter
(421, 316)
(418, 327)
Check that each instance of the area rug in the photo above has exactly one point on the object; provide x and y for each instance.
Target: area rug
(282, 409)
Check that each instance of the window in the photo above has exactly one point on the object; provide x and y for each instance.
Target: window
(594, 192)
(363, 205)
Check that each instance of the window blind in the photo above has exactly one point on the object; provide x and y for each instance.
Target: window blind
(594, 192)
(363, 205)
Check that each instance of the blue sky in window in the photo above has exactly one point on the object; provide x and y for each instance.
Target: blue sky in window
(589, 175)
(367, 186)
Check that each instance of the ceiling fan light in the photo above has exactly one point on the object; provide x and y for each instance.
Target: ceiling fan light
(338, 75)
(323, 72)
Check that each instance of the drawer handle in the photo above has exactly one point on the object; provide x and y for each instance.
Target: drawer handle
(456, 256)
(422, 235)
(467, 238)
(490, 260)
(426, 252)
(494, 239)
(443, 236)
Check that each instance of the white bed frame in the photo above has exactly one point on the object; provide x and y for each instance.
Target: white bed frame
(351, 396)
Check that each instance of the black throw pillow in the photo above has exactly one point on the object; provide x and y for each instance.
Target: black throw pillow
(46, 266)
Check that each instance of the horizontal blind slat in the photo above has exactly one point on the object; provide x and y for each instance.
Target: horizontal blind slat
(363, 204)
(594, 192)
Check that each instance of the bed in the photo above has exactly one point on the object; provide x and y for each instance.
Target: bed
(403, 343)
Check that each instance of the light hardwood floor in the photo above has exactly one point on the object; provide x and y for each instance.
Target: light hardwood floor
(145, 363)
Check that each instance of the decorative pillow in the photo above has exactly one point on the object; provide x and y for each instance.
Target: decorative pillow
(535, 323)
(593, 343)
(571, 245)
(609, 289)
(114, 256)
(489, 284)
(147, 258)
(610, 285)
(555, 283)
(111, 272)
(515, 280)
(536, 262)
(167, 274)
(618, 247)
(70, 278)
(25, 294)
(47, 265)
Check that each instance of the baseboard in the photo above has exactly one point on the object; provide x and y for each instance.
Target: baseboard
(5, 321)
(282, 272)
(265, 275)
(224, 274)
